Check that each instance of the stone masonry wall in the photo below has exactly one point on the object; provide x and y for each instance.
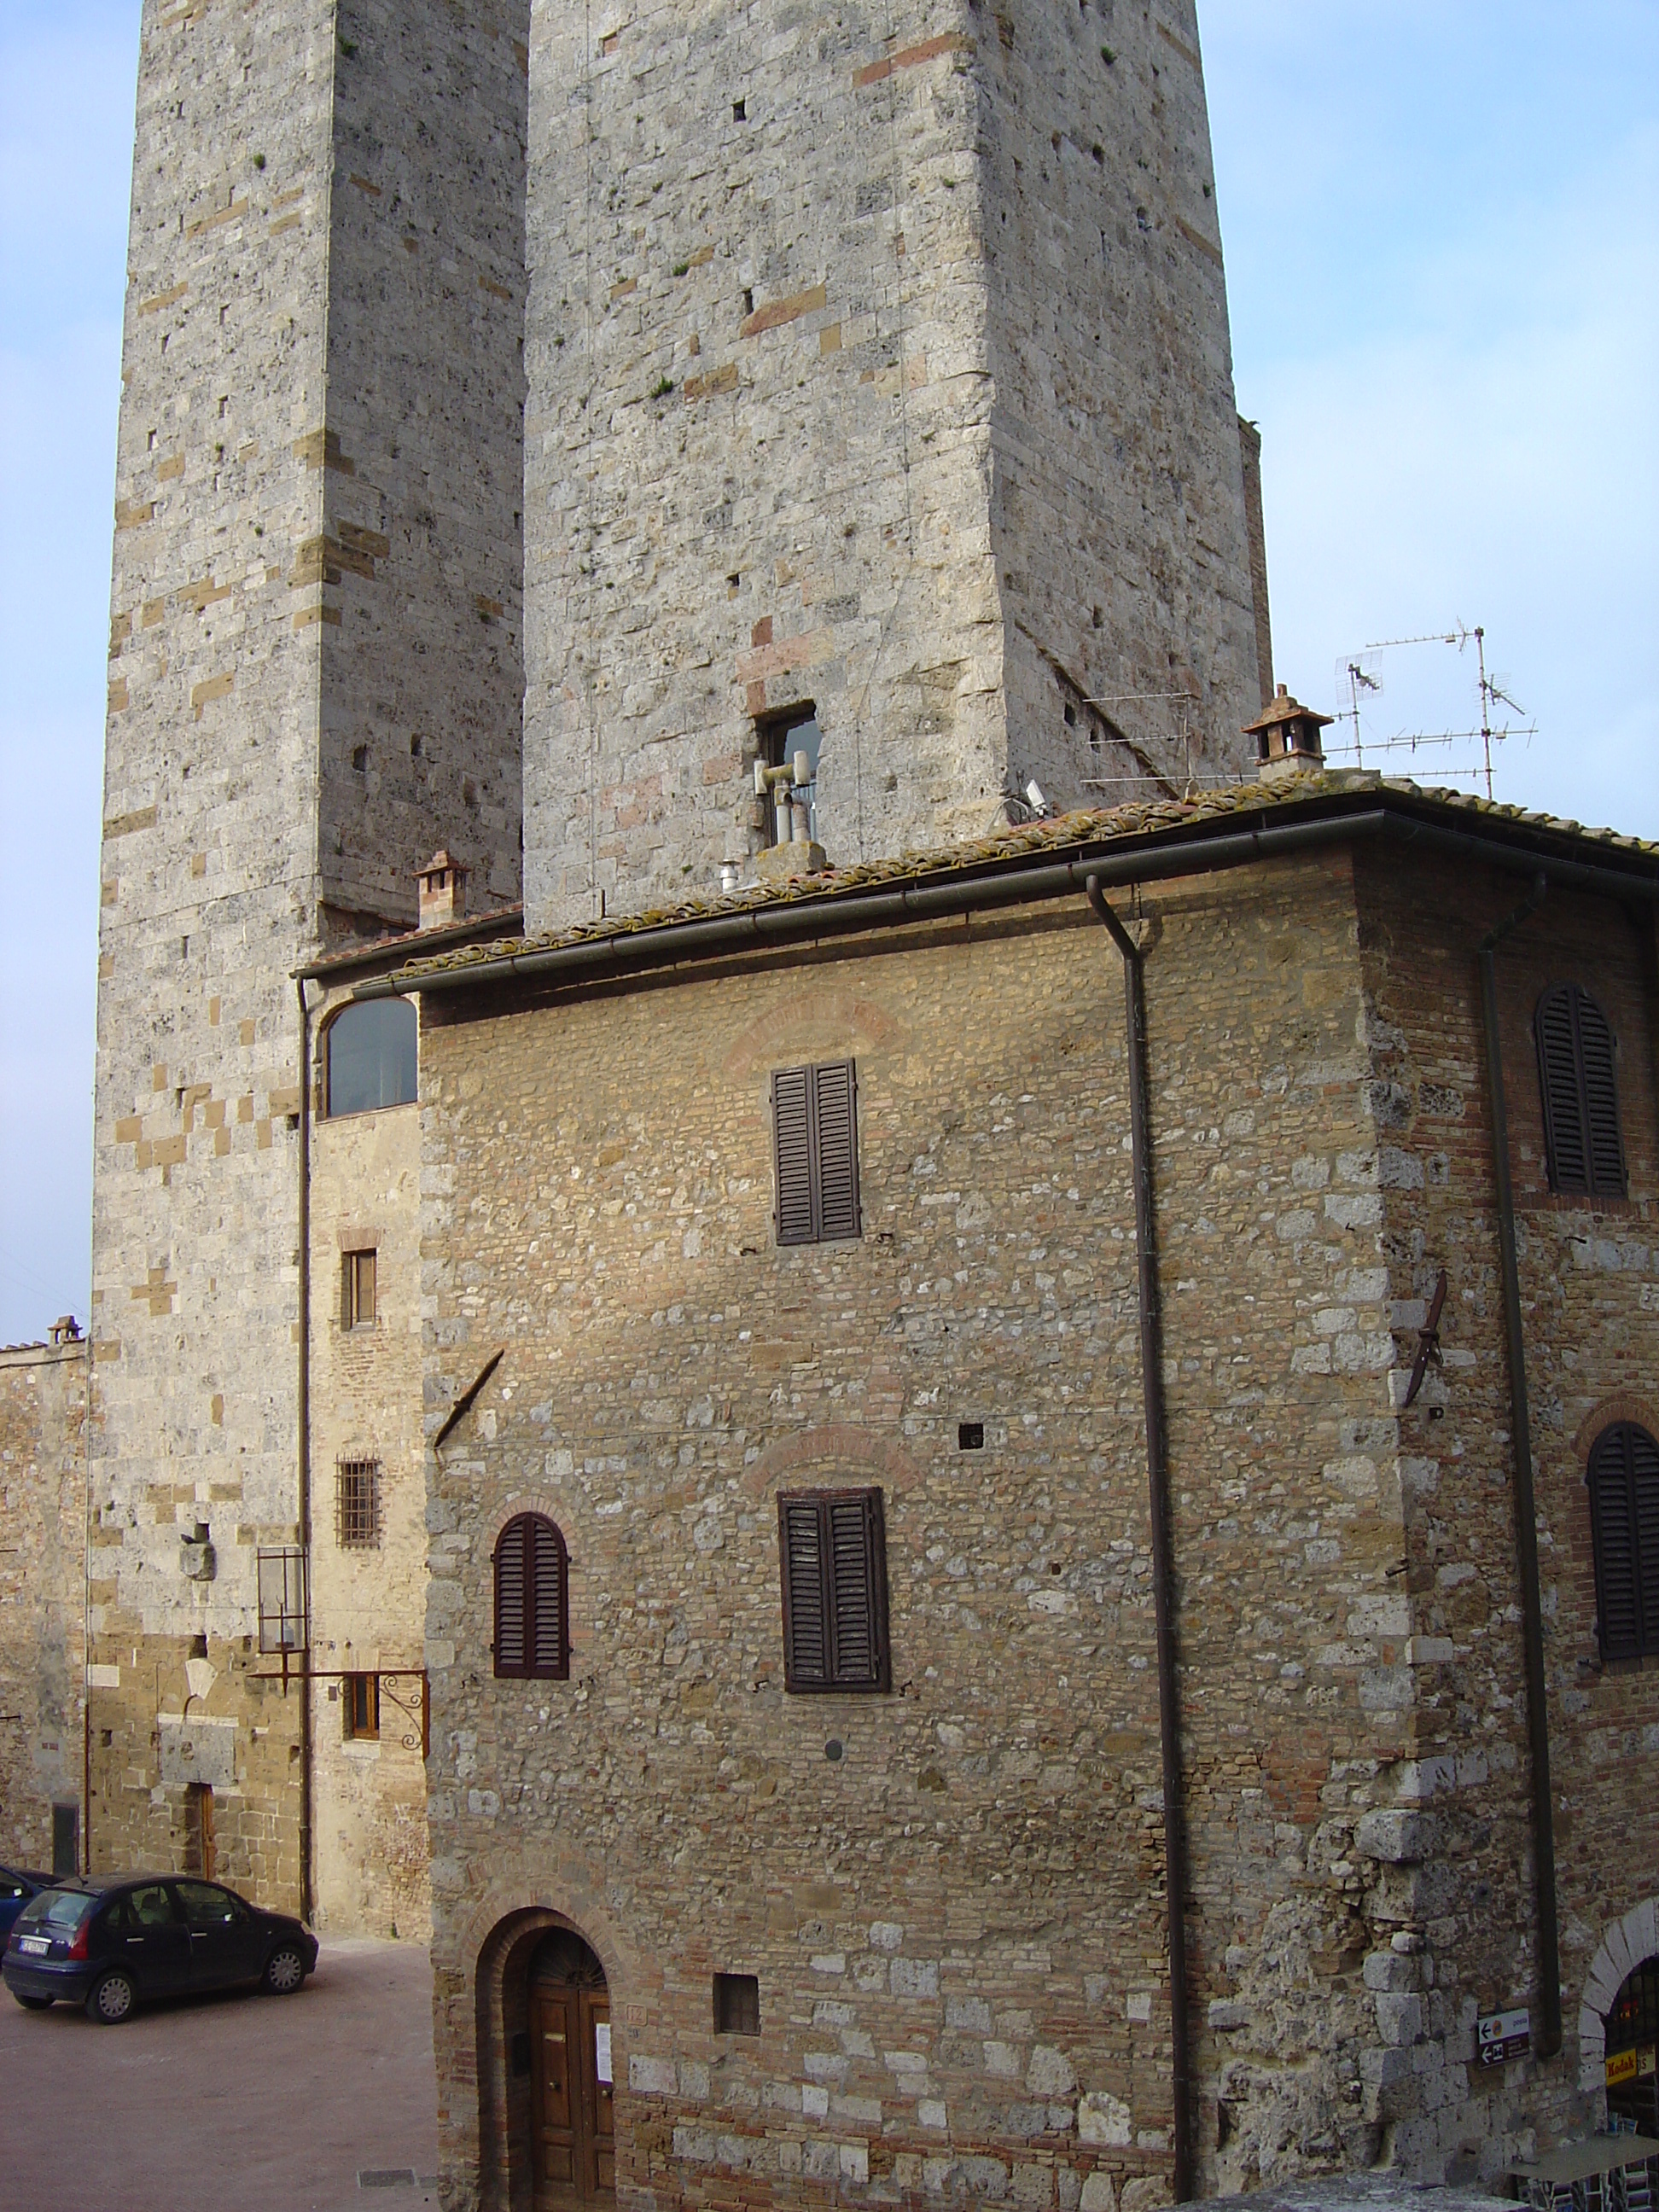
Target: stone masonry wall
(247, 385)
(43, 1495)
(1118, 520)
(955, 1924)
(369, 1606)
(782, 444)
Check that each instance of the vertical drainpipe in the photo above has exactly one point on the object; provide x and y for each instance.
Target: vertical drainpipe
(1548, 2041)
(1151, 1386)
(303, 1394)
(85, 1623)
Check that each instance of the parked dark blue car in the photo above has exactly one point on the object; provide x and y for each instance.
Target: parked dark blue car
(17, 1886)
(109, 1941)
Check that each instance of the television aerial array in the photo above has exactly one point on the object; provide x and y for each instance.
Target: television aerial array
(1359, 680)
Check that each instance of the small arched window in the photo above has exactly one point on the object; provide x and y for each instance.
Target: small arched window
(1623, 1498)
(372, 1057)
(532, 1611)
(1580, 1095)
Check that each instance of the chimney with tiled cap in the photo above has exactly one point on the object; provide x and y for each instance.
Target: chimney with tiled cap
(443, 891)
(1287, 740)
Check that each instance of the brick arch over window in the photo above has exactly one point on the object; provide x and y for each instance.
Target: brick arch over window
(1625, 1944)
(821, 1456)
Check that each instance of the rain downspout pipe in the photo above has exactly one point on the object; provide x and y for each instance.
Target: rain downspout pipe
(1548, 2042)
(1151, 1386)
(307, 1781)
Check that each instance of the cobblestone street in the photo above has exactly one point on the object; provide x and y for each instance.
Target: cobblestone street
(307, 2104)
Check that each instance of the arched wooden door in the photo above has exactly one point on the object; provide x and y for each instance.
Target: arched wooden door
(574, 2141)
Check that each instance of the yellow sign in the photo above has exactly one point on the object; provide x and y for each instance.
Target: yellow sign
(1629, 2066)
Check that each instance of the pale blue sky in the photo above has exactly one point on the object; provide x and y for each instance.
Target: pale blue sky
(1442, 256)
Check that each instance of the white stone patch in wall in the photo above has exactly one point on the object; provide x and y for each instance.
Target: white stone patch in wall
(1098, 2194)
(203, 1751)
(654, 2077)
(886, 1935)
(1105, 2119)
(1050, 2073)
(1002, 2059)
(830, 1962)
(103, 1678)
(201, 1674)
(815, 2101)
(1138, 2006)
(931, 2113)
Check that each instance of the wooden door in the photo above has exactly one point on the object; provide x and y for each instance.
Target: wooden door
(574, 2136)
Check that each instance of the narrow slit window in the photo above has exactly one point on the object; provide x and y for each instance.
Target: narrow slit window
(357, 1504)
(532, 1578)
(833, 1549)
(1583, 1141)
(360, 1708)
(1623, 1501)
(816, 1146)
(358, 1288)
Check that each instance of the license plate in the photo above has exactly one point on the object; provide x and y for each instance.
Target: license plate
(36, 1946)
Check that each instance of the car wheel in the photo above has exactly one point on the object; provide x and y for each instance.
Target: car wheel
(285, 1969)
(32, 2004)
(109, 2002)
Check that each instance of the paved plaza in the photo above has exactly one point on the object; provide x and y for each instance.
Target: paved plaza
(238, 2103)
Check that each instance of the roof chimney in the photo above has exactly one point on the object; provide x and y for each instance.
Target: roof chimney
(1286, 736)
(443, 891)
(66, 1330)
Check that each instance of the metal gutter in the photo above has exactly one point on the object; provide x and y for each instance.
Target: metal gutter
(307, 1898)
(1157, 1484)
(1525, 1509)
(1022, 880)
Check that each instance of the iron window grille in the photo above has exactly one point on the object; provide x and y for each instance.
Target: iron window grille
(1583, 1143)
(357, 1504)
(358, 1288)
(833, 1548)
(532, 1609)
(815, 1142)
(284, 1600)
(1623, 1501)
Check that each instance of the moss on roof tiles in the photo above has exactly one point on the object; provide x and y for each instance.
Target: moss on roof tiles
(1109, 825)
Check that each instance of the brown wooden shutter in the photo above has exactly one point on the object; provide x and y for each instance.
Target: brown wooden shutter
(835, 1116)
(833, 1548)
(791, 1137)
(806, 1596)
(550, 1652)
(1624, 1487)
(511, 1619)
(1644, 1489)
(1596, 1063)
(1577, 1076)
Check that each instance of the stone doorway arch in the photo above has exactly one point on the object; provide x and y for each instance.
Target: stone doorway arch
(1625, 1944)
(542, 1990)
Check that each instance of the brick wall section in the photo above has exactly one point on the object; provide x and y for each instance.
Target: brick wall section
(291, 556)
(369, 1606)
(956, 1925)
(796, 429)
(43, 1493)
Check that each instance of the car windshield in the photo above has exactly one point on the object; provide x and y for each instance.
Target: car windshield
(56, 1908)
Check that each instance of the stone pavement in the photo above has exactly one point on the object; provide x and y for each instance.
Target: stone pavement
(239, 2103)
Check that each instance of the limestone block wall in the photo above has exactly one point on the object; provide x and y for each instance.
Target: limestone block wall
(1118, 517)
(43, 1505)
(368, 1604)
(833, 398)
(262, 534)
(957, 1924)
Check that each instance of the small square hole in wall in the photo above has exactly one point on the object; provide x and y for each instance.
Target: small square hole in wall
(359, 759)
(970, 1436)
(738, 113)
(737, 2004)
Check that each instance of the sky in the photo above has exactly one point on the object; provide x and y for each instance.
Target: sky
(1442, 231)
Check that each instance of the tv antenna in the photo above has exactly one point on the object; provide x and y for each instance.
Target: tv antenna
(1359, 679)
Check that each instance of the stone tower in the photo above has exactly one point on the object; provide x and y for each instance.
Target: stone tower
(879, 365)
(316, 675)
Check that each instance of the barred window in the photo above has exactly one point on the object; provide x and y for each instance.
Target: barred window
(357, 1504)
(284, 1596)
(532, 1639)
(1576, 1074)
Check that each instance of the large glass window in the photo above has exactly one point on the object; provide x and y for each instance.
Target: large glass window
(372, 1056)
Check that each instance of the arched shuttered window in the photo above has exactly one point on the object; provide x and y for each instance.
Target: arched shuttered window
(373, 1052)
(1581, 1097)
(1624, 1495)
(532, 1618)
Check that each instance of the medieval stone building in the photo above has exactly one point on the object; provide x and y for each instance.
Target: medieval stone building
(930, 1599)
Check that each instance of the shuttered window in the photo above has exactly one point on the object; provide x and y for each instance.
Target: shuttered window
(833, 1547)
(1623, 1492)
(1581, 1098)
(816, 1139)
(531, 1601)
